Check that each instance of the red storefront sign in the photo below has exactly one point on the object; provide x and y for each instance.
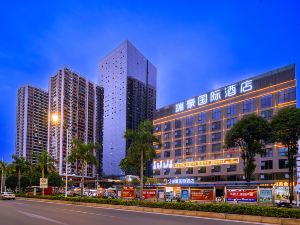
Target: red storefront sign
(202, 195)
(241, 195)
(149, 194)
(128, 192)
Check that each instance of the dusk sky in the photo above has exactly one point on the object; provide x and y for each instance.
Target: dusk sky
(196, 46)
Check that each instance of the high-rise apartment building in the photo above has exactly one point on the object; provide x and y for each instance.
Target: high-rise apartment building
(129, 82)
(78, 104)
(32, 119)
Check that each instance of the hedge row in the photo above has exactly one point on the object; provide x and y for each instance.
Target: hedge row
(255, 210)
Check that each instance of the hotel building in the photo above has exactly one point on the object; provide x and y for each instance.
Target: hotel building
(31, 120)
(129, 82)
(192, 132)
(78, 104)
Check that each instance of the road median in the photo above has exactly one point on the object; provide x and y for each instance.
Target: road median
(170, 209)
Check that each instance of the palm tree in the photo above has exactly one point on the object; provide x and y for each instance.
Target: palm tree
(20, 164)
(3, 166)
(141, 147)
(85, 153)
(45, 163)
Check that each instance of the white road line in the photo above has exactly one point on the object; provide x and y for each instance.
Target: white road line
(41, 217)
(89, 213)
(166, 214)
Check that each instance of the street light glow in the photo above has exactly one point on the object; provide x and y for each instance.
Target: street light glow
(54, 118)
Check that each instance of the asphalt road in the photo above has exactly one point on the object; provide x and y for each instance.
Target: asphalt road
(29, 212)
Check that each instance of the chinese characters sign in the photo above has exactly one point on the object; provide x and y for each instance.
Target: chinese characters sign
(241, 195)
(214, 96)
(201, 195)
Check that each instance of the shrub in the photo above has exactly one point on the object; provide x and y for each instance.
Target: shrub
(209, 207)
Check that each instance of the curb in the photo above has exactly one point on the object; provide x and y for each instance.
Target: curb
(213, 215)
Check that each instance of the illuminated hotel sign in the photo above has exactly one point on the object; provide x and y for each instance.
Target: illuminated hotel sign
(168, 164)
(180, 181)
(214, 96)
(214, 162)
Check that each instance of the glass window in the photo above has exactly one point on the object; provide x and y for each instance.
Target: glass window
(167, 126)
(177, 171)
(202, 170)
(202, 149)
(286, 95)
(178, 152)
(282, 152)
(167, 154)
(231, 168)
(202, 139)
(177, 134)
(216, 147)
(189, 159)
(177, 143)
(189, 121)
(216, 114)
(178, 124)
(158, 155)
(157, 147)
(267, 114)
(202, 129)
(267, 165)
(216, 126)
(189, 141)
(266, 101)
(166, 171)
(189, 151)
(167, 145)
(216, 136)
(202, 117)
(189, 171)
(157, 128)
(283, 164)
(231, 122)
(202, 157)
(189, 131)
(216, 169)
(167, 136)
(248, 106)
(267, 153)
(231, 110)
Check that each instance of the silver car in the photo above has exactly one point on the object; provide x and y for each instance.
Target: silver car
(7, 195)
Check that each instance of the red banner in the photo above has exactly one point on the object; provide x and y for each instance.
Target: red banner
(128, 193)
(201, 195)
(241, 195)
(149, 194)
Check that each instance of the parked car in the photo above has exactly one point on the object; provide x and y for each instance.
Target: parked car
(284, 204)
(7, 195)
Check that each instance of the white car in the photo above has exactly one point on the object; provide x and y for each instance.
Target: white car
(7, 195)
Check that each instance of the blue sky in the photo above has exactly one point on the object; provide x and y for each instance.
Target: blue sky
(196, 45)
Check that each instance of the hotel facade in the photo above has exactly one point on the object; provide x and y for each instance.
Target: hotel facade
(192, 132)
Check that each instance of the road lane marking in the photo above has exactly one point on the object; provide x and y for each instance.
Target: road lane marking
(166, 214)
(89, 213)
(41, 217)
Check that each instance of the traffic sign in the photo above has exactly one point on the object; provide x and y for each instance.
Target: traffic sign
(43, 183)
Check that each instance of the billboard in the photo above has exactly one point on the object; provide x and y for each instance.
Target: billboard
(265, 195)
(241, 195)
(128, 192)
(202, 195)
(150, 193)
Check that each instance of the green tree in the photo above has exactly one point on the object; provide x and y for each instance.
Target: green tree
(3, 166)
(249, 135)
(286, 130)
(12, 182)
(85, 154)
(141, 148)
(20, 165)
(45, 163)
(25, 182)
(55, 180)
